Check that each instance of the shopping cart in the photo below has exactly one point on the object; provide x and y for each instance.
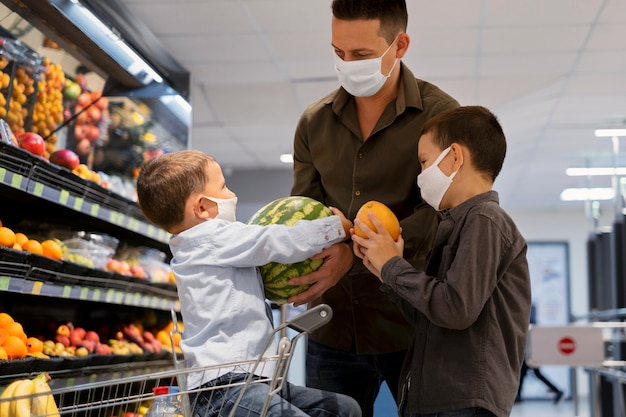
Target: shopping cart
(132, 394)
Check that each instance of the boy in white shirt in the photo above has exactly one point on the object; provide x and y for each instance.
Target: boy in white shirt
(220, 290)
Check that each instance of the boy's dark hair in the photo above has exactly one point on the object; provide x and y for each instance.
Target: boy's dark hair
(476, 128)
(391, 13)
(165, 183)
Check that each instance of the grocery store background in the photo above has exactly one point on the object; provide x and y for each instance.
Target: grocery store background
(554, 72)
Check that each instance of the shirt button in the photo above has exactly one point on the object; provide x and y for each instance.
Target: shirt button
(357, 193)
(360, 155)
(326, 237)
(355, 301)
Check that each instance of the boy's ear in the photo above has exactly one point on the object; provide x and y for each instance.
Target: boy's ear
(202, 207)
(459, 156)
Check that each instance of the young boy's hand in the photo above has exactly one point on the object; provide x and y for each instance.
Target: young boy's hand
(347, 224)
(378, 248)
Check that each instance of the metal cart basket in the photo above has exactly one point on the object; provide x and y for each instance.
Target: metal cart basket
(128, 395)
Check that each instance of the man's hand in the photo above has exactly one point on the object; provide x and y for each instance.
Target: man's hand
(337, 262)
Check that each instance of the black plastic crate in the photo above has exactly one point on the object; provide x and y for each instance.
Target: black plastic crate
(15, 159)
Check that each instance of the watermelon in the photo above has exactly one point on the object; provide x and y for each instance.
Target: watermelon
(288, 211)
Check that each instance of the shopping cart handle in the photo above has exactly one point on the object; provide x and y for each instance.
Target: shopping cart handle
(311, 319)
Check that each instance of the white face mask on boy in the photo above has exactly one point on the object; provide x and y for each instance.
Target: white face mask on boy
(226, 208)
(434, 183)
(363, 77)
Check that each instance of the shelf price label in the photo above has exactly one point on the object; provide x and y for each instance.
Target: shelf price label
(78, 203)
(37, 286)
(95, 296)
(84, 293)
(95, 209)
(64, 196)
(38, 189)
(4, 283)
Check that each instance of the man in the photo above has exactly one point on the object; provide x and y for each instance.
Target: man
(357, 144)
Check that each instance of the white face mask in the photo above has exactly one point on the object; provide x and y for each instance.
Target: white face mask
(362, 78)
(434, 183)
(226, 208)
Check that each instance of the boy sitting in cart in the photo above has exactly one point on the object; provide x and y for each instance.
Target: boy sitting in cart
(227, 319)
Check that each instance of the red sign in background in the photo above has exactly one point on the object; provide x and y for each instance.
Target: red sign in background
(567, 345)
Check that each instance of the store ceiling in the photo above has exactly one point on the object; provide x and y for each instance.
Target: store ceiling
(553, 71)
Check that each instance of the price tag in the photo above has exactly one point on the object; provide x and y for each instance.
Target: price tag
(84, 293)
(16, 181)
(38, 189)
(64, 196)
(3, 173)
(67, 291)
(78, 203)
(37, 286)
(4, 283)
(95, 296)
(95, 208)
(110, 296)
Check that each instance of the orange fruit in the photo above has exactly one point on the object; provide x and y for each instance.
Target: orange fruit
(15, 347)
(33, 246)
(7, 237)
(3, 354)
(4, 333)
(21, 238)
(5, 319)
(383, 214)
(16, 329)
(52, 249)
(34, 345)
(17, 246)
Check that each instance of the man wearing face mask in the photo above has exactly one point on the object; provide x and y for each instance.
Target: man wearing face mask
(359, 143)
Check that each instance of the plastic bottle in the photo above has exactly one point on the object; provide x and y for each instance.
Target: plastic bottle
(165, 404)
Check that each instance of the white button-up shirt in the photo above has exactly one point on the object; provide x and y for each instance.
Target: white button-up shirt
(221, 292)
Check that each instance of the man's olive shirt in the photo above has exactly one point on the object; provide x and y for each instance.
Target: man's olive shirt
(334, 165)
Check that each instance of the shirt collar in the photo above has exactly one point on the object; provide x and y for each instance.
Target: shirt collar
(461, 210)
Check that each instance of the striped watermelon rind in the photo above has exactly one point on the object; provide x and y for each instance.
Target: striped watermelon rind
(288, 211)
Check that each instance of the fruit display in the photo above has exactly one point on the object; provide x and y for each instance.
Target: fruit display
(382, 213)
(287, 211)
(48, 109)
(23, 87)
(29, 397)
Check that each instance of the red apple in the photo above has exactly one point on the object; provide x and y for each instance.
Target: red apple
(66, 158)
(103, 349)
(61, 338)
(92, 132)
(32, 142)
(93, 336)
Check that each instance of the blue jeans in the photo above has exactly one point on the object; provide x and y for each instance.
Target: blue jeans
(358, 376)
(466, 412)
(292, 401)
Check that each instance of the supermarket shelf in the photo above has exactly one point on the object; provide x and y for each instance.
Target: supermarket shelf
(21, 275)
(36, 177)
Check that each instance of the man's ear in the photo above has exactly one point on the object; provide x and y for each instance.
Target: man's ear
(403, 44)
(202, 207)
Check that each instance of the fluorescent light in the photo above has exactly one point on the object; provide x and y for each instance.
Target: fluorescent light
(286, 158)
(582, 194)
(604, 133)
(109, 41)
(587, 172)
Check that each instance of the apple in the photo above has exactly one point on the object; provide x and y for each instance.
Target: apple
(94, 114)
(84, 99)
(103, 349)
(32, 142)
(137, 271)
(65, 158)
(72, 90)
(93, 336)
(92, 133)
(63, 339)
(63, 330)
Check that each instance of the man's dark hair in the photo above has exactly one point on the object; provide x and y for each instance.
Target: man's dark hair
(391, 13)
(474, 127)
